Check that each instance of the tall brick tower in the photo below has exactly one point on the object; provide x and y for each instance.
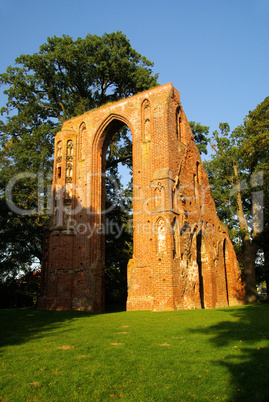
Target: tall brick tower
(183, 257)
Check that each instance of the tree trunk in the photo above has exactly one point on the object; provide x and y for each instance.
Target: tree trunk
(249, 256)
(266, 264)
(250, 248)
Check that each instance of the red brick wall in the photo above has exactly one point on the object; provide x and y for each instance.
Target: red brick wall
(183, 257)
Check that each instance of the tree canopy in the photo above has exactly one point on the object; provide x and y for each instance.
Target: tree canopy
(239, 174)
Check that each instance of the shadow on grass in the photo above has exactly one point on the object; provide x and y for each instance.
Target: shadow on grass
(21, 325)
(248, 363)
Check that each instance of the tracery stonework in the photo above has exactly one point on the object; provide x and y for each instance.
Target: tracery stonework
(183, 257)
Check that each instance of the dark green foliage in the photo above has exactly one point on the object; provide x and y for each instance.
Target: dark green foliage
(239, 175)
(119, 228)
(200, 134)
(68, 77)
(21, 292)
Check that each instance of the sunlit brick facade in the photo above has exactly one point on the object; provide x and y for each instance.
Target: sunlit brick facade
(183, 257)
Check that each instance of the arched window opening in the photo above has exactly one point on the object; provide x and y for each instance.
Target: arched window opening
(59, 148)
(200, 267)
(59, 172)
(69, 150)
(176, 239)
(198, 172)
(225, 269)
(59, 151)
(82, 141)
(178, 123)
(146, 120)
(117, 200)
(159, 196)
(196, 182)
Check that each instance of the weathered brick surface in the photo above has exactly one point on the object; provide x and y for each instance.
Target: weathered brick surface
(183, 257)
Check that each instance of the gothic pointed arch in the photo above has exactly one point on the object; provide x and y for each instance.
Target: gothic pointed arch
(146, 120)
(201, 268)
(111, 123)
(82, 141)
(178, 123)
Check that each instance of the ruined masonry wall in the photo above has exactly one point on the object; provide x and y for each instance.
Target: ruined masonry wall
(183, 257)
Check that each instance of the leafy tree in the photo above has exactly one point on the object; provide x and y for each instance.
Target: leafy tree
(21, 292)
(200, 134)
(256, 147)
(65, 78)
(119, 242)
(119, 234)
(238, 173)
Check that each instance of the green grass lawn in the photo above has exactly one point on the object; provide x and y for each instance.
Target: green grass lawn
(201, 355)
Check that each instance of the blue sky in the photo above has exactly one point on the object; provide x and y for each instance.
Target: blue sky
(215, 52)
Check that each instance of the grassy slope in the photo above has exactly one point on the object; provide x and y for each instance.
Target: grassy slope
(220, 354)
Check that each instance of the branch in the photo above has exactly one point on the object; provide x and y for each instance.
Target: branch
(115, 162)
(215, 149)
(62, 106)
(46, 107)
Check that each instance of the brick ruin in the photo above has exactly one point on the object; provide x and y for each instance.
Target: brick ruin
(183, 257)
